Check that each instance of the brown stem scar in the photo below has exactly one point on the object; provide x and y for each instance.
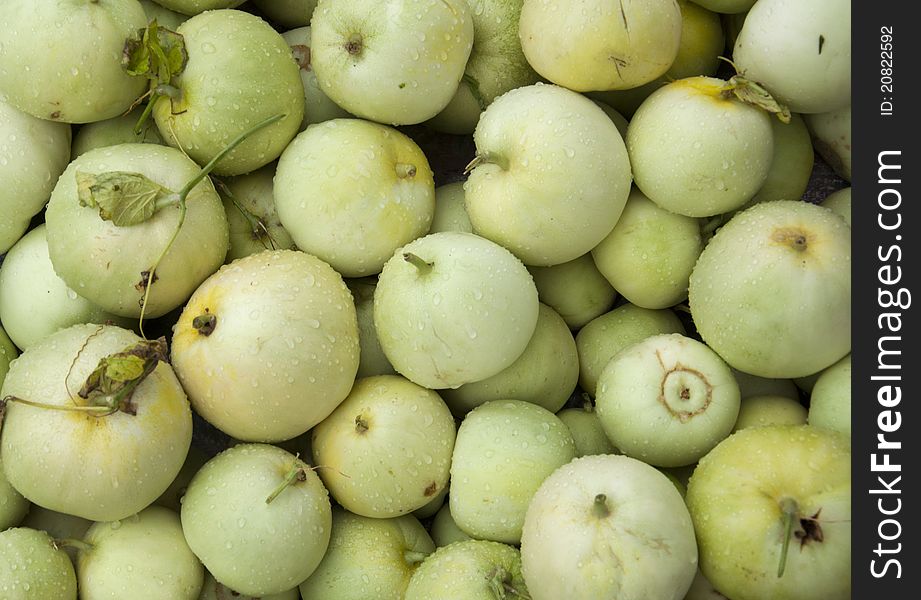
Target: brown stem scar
(354, 44)
(811, 530)
(361, 425)
(205, 323)
(793, 237)
(145, 277)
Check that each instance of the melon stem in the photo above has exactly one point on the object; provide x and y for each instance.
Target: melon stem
(487, 158)
(790, 510)
(73, 543)
(413, 558)
(413, 259)
(297, 473)
(405, 171)
(600, 507)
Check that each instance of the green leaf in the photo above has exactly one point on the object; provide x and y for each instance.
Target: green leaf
(753, 93)
(173, 46)
(155, 52)
(113, 381)
(136, 57)
(158, 54)
(124, 198)
(124, 368)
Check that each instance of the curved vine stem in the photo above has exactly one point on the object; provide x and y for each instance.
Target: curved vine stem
(100, 411)
(148, 109)
(257, 226)
(181, 199)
